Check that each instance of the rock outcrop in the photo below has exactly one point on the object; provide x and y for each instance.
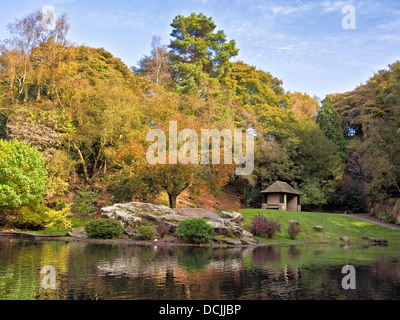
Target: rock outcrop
(228, 226)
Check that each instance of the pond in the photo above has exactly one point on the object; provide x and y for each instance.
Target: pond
(60, 270)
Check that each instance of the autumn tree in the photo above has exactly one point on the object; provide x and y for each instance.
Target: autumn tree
(264, 104)
(27, 34)
(78, 104)
(156, 164)
(304, 106)
(155, 66)
(371, 115)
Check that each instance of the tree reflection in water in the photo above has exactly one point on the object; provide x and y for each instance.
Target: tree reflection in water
(121, 271)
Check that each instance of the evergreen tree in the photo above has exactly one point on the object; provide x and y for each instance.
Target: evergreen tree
(330, 122)
(197, 51)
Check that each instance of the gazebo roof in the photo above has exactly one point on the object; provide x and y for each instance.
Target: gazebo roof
(280, 186)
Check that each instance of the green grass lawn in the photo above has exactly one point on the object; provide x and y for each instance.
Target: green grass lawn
(335, 226)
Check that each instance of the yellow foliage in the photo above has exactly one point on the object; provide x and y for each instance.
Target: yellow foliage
(59, 218)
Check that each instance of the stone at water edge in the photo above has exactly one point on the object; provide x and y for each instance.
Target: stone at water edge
(77, 233)
(318, 228)
(237, 231)
(219, 226)
(345, 239)
(247, 234)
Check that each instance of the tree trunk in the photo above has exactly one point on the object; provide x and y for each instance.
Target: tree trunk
(85, 171)
(172, 200)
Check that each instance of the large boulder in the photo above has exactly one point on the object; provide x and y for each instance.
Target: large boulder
(173, 217)
(133, 215)
(233, 217)
(196, 213)
(219, 226)
(125, 217)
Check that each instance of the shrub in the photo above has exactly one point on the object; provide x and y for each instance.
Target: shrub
(354, 200)
(195, 230)
(261, 225)
(162, 230)
(30, 218)
(104, 229)
(23, 175)
(146, 232)
(293, 230)
(59, 218)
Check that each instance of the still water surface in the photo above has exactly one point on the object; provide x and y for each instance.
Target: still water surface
(86, 270)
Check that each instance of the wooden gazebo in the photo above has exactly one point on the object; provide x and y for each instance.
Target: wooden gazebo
(281, 196)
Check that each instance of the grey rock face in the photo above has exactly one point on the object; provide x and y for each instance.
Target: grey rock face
(133, 215)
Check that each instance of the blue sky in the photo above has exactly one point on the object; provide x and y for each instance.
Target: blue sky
(300, 42)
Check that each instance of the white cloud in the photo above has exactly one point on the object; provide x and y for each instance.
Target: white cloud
(120, 18)
(333, 6)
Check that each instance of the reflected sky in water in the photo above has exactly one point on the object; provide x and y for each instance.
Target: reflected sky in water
(86, 270)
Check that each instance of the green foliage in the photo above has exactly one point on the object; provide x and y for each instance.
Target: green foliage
(125, 188)
(84, 202)
(370, 114)
(81, 106)
(194, 259)
(262, 97)
(146, 232)
(317, 164)
(330, 122)
(104, 229)
(30, 218)
(354, 200)
(312, 193)
(253, 197)
(23, 175)
(194, 42)
(195, 230)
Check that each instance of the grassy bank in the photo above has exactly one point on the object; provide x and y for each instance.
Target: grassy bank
(76, 223)
(335, 226)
